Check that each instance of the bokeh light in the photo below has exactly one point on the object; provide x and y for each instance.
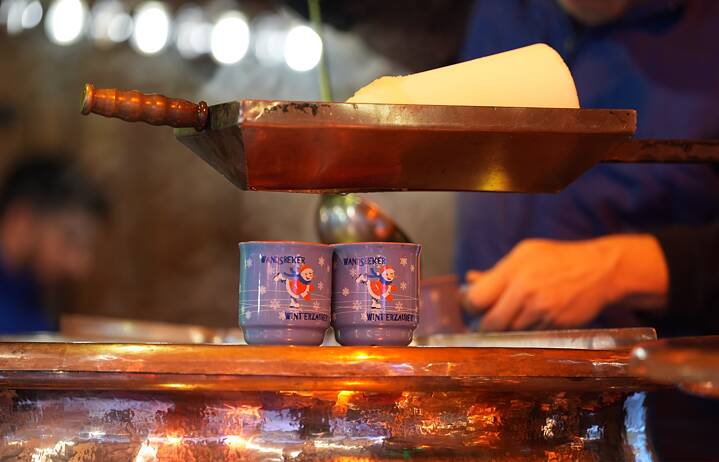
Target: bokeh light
(65, 21)
(120, 28)
(110, 22)
(12, 15)
(193, 31)
(303, 48)
(230, 38)
(152, 28)
(269, 32)
(31, 15)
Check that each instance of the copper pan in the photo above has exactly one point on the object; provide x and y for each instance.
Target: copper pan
(340, 147)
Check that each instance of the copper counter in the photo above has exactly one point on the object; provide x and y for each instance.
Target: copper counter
(162, 402)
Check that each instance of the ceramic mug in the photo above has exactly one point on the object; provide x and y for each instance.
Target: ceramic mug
(285, 292)
(440, 306)
(375, 295)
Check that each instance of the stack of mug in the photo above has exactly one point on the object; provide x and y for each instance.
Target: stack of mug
(291, 292)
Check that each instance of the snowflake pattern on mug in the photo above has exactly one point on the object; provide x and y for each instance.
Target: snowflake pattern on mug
(288, 293)
(375, 288)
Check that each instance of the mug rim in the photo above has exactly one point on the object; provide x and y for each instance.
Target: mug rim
(407, 244)
(308, 243)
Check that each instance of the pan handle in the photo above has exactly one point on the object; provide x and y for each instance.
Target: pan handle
(669, 151)
(133, 106)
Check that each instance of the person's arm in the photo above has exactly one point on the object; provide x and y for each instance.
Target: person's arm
(545, 283)
(692, 256)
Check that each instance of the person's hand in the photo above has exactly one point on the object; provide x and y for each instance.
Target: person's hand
(544, 284)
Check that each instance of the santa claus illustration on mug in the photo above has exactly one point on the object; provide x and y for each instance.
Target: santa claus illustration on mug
(380, 287)
(298, 284)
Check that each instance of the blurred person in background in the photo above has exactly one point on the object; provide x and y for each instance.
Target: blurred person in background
(624, 244)
(49, 217)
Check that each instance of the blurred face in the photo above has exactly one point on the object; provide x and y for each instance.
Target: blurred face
(63, 247)
(596, 12)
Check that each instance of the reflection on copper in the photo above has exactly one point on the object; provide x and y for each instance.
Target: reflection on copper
(172, 440)
(337, 426)
(146, 453)
(176, 386)
(355, 384)
(404, 400)
(242, 411)
(361, 355)
(235, 441)
(343, 398)
(691, 363)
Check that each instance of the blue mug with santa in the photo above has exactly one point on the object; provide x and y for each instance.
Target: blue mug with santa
(285, 292)
(375, 293)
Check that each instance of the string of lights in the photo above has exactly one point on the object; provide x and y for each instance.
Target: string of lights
(151, 28)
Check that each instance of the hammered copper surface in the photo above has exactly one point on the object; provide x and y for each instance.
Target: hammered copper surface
(164, 402)
(340, 426)
(691, 363)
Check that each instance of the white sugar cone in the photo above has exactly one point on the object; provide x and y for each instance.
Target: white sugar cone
(533, 76)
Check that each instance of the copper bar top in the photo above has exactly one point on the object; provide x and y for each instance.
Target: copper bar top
(236, 367)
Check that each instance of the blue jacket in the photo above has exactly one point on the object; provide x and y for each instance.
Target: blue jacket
(661, 60)
(21, 309)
